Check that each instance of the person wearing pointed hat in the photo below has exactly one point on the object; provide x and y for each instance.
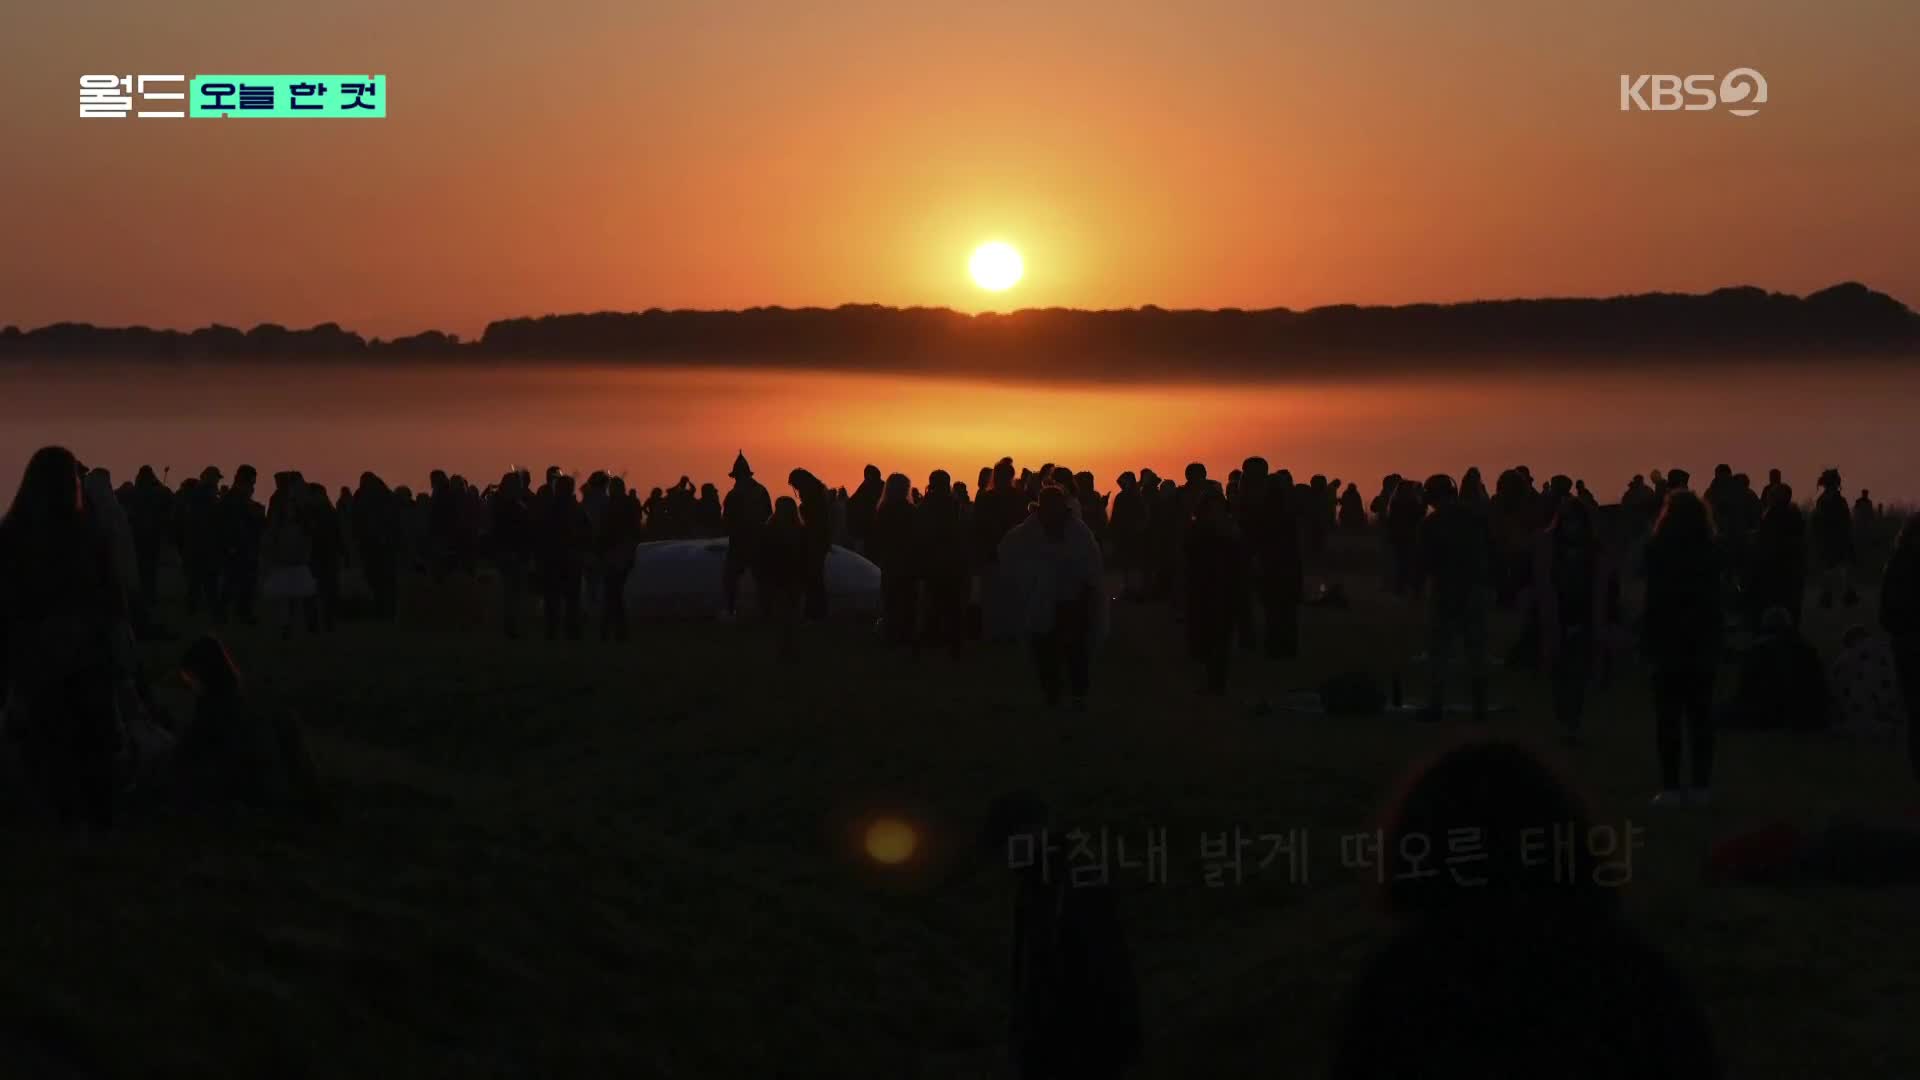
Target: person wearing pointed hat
(744, 515)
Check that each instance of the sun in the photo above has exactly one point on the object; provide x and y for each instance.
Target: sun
(995, 266)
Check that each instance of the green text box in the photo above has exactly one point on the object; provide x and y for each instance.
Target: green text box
(335, 97)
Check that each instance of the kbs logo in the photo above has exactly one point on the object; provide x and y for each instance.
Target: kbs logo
(1742, 87)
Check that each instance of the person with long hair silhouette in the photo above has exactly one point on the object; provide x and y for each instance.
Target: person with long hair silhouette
(1682, 640)
(65, 642)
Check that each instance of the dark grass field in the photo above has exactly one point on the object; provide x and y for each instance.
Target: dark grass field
(643, 860)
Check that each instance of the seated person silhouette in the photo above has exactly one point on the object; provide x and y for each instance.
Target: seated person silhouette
(1782, 684)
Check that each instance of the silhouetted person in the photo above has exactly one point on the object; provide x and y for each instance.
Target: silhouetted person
(471, 523)
(1900, 618)
(1734, 520)
(66, 643)
(593, 508)
(377, 511)
(1270, 529)
(780, 570)
(1128, 528)
(1216, 587)
(1056, 570)
(1315, 515)
(1075, 1000)
(1776, 486)
(745, 513)
(655, 506)
(862, 505)
(1164, 522)
(817, 515)
(1777, 562)
(998, 507)
(1513, 513)
(200, 554)
(287, 551)
(443, 516)
(1832, 535)
(1389, 487)
(229, 754)
(1197, 483)
(1748, 501)
(618, 539)
(513, 547)
(110, 520)
(1782, 686)
(1865, 517)
(682, 508)
(890, 544)
(150, 511)
(211, 761)
(242, 525)
(1456, 547)
(329, 555)
(1720, 496)
(1560, 488)
(707, 512)
(1682, 639)
(562, 539)
(1570, 573)
(1508, 963)
(940, 553)
(1404, 515)
(1473, 491)
(1353, 510)
(1640, 500)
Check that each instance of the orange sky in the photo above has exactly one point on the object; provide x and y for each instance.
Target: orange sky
(575, 155)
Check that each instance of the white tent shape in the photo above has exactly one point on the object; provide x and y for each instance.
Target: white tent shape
(683, 577)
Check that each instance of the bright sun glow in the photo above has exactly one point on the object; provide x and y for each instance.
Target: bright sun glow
(995, 266)
(891, 841)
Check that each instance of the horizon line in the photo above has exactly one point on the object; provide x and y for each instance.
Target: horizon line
(10, 328)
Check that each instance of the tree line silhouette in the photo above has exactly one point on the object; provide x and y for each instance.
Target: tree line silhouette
(1743, 320)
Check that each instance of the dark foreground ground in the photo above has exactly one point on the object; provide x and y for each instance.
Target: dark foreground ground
(642, 860)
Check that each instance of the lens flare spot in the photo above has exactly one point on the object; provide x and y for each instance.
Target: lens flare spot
(891, 841)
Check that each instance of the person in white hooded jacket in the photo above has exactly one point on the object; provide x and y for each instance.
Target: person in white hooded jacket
(1057, 587)
(111, 519)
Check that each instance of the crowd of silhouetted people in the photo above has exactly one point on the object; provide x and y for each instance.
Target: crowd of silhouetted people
(1033, 556)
